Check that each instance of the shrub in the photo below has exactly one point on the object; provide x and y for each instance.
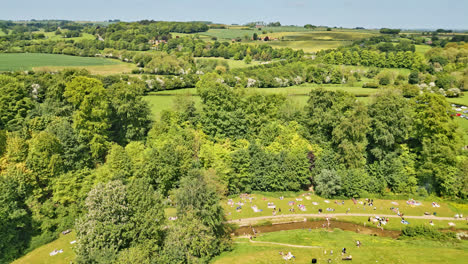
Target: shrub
(370, 85)
(421, 231)
(385, 80)
(413, 78)
(410, 90)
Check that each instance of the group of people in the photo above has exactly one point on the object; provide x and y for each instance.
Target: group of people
(287, 256)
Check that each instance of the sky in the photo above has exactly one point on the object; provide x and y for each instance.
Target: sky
(404, 14)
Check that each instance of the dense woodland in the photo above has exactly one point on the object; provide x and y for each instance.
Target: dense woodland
(82, 151)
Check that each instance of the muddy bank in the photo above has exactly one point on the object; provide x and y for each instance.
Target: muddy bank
(247, 230)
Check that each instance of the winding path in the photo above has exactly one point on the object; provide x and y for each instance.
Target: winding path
(248, 221)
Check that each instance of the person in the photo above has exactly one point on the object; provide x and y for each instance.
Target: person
(358, 243)
(343, 251)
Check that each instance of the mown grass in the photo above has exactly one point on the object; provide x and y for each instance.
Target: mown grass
(422, 49)
(462, 100)
(41, 255)
(373, 250)
(382, 206)
(27, 61)
(159, 103)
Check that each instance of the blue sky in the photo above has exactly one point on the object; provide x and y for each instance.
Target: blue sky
(449, 14)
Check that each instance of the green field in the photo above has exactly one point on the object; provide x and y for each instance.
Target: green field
(318, 244)
(27, 61)
(159, 103)
(41, 255)
(382, 206)
(289, 37)
(422, 49)
(299, 94)
(52, 36)
(462, 100)
(233, 64)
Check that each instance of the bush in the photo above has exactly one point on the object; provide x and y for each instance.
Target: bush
(427, 232)
(413, 78)
(370, 85)
(409, 90)
(385, 80)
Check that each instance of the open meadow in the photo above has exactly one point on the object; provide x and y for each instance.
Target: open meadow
(41, 255)
(319, 244)
(28, 61)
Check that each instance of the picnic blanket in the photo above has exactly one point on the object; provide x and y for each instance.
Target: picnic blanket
(256, 210)
(413, 202)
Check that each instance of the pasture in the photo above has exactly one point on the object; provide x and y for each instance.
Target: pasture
(27, 61)
(233, 64)
(298, 95)
(308, 244)
(289, 37)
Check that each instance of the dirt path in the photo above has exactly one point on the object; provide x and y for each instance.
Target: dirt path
(248, 221)
(280, 244)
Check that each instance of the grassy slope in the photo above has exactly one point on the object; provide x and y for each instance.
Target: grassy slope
(382, 206)
(26, 61)
(294, 37)
(373, 250)
(41, 255)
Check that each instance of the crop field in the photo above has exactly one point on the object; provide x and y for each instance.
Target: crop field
(120, 68)
(307, 46)
(27, 61)
(308, 244)
(320, 35)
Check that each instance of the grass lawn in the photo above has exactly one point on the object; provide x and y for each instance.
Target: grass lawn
(158, 103)
(373, 250)
(462, 100)
(41, 255)
(382, 206)
(422, 49)
(27, 61)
